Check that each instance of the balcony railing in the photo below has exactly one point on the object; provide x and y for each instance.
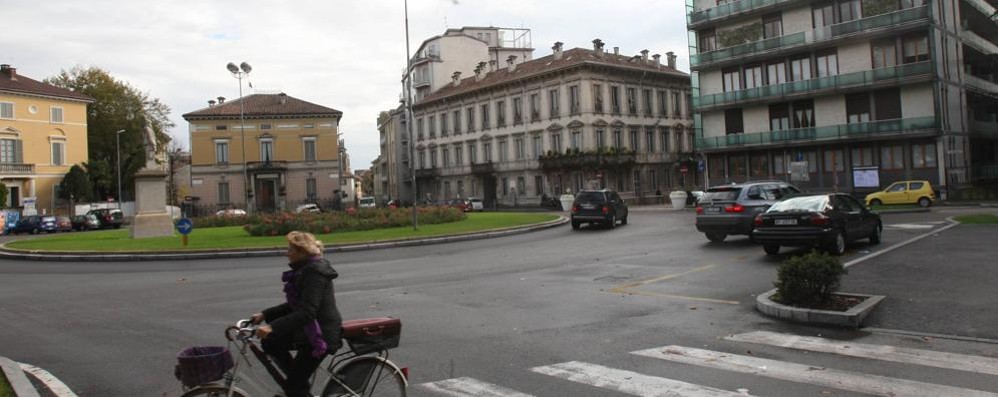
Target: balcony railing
(985, 86)
(813, 36)
(989, 171)
(841, 131)
(822, 83)
(266, 165)
(419, 81)
(427, 173)
(483, 168)
(981, 44)
(16, 168)
(730, 9)
(984, 127)
(987, 9)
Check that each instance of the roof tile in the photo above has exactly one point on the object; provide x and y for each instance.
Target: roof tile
(263, 106)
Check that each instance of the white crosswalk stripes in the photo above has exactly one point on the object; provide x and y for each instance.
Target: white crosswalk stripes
(467, 387)
(628, 382)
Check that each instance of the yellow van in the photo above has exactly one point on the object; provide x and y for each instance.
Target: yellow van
(904, 192)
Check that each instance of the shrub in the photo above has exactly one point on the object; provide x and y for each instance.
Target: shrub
(808, 279)
(224, 220)
(362, 219)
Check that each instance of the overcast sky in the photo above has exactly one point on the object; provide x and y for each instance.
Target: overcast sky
(339, 54)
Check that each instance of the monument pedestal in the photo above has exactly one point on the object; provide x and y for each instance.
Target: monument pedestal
(151, 218)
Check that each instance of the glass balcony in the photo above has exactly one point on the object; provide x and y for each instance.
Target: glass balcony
(987, 9)
(989, 171)
(730, 9)
(981, 44)
(985, 86)
(823, 83)
(813, 36)
(841, 131)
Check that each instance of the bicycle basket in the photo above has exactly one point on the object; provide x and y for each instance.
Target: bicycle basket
(198, 365)
(371, 335)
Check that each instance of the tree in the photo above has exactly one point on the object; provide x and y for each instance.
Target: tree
(3, 197)
(118, 106)
(367, 182)
(76, 185)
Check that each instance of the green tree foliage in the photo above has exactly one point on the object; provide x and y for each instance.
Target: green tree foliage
(118, 106)
(77, 184)
(876, 7)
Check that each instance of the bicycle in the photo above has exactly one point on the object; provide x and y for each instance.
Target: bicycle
(362, 370)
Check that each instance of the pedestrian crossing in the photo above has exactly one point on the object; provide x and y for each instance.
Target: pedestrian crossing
(624, 381)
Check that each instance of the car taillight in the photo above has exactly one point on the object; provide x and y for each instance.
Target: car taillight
(758, 220)
(699, 210)
(734, 208)
(606, 209)
(575, 208)
(820, 219)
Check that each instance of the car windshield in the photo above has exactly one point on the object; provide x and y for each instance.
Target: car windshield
(721, 194)
(591, 197)
(801, 204)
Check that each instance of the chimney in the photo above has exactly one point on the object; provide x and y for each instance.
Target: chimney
(511, 62)
(221, 100)
(658, 60)
(598, 47)
(9, 71)
(493, 65)
(283, 97)
(456, 77)
(557, 50)
(644, 56)
(616, 50)
(211, 102)
(671, 59)
(480, 71)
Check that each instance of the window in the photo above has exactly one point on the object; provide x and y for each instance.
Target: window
(887, 104)
(632, 101)
(535, 107)
(309, 145)
(517, 110)
(614, 99)
(576, 140)
(573, 100)
(55, 114)
(823, 15)
(635, 140)
(457, 122)
(653, 178)
(266, 150)
(708, 40)
(538, 146)
(600, 138)
(487, 151)
(460, 189)
(597, 98)
(884, 53)
(556, 142)
(500, 113)
(422, 159)
(221, 152)
(646, 94)
(223, 192)
(834, 161)
(266, 126)
(6, 110)
(554, 104)
(803, 114)
(779, 117)
(733, 122)
(778, 169)
(505, 185)
(458, 155)
(905, 4)
(759, 165)
(521, 186)
(667, 144)
(812, 162)
(446, 156)
(776, 73)
(858, 108)
(58, 152)
(618, 139)
(663, 110)
(753, 76)
(736, 166)
(519, 148)
(433, 127)
(915, 48)
(472, 153)
(923, 155)
(221, 127)
(716, 167)
(538, 185)
(503, 150)
(433, 158)
(850, 10)
(650, 139)
(862, 157)
(485, 116)
(419, 128)
(8, 151)
(772, 26)
(310, 191)
(446, 188)
(800, 68)
(470, 114)
(443, 125)
(676, 106)
(827, 63)
(892, 157)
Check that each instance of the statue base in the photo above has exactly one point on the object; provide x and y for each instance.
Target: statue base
(151, 218)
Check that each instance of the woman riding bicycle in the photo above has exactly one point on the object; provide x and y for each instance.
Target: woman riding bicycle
(308, 322)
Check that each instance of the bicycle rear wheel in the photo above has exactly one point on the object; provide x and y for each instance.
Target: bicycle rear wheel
(366, 376)
(212, 391)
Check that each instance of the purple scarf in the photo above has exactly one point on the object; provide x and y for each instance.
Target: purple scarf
(312, 330)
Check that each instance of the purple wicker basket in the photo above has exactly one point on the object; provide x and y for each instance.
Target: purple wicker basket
(198, 365)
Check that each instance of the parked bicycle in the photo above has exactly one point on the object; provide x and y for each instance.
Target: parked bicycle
(362, 370)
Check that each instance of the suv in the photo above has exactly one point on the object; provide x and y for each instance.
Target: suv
(731, 209)
(904, 192)
(110, 217)
(598, 206)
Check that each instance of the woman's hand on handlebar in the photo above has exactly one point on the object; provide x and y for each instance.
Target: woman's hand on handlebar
(257, 318)
(263, 331)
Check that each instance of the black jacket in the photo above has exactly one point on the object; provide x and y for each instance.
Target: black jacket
(316, 301)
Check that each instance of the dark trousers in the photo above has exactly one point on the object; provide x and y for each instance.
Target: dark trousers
(298, 369)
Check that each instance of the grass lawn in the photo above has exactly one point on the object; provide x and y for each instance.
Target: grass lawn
(235, 237)
(5, 389)
(978, 219)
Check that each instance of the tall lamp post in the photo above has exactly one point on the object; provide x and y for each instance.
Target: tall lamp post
(408, 117)
(117, 145)
(239, 72)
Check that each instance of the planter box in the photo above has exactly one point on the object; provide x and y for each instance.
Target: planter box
(851, 318)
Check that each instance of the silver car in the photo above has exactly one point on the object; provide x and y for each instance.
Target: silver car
(731, 209)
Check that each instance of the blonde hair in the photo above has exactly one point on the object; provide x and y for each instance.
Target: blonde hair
(305, 242)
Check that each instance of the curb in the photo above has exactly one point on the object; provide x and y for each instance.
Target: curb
(911, 211)
(851, 318)
(17, 379)
(6, 253)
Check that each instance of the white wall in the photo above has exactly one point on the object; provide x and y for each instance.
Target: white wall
(713, 124)
(458, 53)
(756, 118)
(917, 101)
(854, 57)
(711, 82)
(829, 110)
(797, 20)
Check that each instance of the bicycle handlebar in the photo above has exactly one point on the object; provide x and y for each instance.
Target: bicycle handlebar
(245, 329)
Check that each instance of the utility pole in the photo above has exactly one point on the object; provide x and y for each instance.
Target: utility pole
(408, 117)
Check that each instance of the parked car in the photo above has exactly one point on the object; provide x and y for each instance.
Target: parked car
(366, 202)
(598, 206)
(29, 224)
(904, 192)
(827, 221)
(49, 224)
(231, 212)
(85, 222)
(310, 207)
(393, 204)
(110, 217)
(462, 204)
(63, 223)
(730, 209)
(476, 204)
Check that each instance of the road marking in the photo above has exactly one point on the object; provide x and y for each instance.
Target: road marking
(901, 244)
(929, 358)
(820, 376)
(909, 226)
(467, 387)
(626, 381)
(50, 381)
(930, 335)
(659, 279)
(631, 288)
(683, 297)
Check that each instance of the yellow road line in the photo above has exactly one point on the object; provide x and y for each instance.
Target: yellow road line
(683, 297)
(662, 278)
(631, 288)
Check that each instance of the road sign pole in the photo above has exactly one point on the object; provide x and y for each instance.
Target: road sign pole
(184, 239)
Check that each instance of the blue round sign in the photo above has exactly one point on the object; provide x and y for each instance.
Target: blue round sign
(185, 226)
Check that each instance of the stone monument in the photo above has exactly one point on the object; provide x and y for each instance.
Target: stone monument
(151, 218)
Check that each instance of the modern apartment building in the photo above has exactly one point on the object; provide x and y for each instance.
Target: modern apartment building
(293, 154)
(43, 132)
(846, 95)
(574, 119)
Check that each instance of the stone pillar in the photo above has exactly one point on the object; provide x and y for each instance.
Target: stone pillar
(151, 218)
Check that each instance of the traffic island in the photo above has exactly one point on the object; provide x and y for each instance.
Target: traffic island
(850, 317)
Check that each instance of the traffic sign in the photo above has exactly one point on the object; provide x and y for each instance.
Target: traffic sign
(683, 169)
(185, 226)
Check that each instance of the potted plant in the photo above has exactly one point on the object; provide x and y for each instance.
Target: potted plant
(566, 200)
(678, 199)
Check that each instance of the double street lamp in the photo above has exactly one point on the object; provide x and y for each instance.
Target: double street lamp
(239, 72)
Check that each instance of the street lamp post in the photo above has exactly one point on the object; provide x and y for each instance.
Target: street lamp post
(239, 72)
(408, 118)
(117, 145)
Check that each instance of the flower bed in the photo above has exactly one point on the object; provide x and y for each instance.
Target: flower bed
(363, 219)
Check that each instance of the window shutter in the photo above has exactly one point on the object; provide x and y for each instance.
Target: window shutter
(18, 152)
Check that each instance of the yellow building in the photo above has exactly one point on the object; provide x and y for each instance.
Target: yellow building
(43, 132)
(292, 153)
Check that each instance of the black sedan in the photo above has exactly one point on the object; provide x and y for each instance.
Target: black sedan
(828, 221)
(29, 224)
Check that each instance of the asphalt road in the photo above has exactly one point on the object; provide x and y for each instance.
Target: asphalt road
(506, 312)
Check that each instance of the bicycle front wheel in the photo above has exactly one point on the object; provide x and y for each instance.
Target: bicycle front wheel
(366, 376)
(213, 391)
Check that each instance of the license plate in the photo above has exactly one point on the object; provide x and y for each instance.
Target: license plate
(713, 210)
(786, 222)
(588, 206)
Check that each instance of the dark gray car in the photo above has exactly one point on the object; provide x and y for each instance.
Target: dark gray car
(598, 206)
(731, 209)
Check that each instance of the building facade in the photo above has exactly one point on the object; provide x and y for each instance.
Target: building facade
(293, 154)
(43, 132)
(846, 95)
(571, 120)
(392, 175)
